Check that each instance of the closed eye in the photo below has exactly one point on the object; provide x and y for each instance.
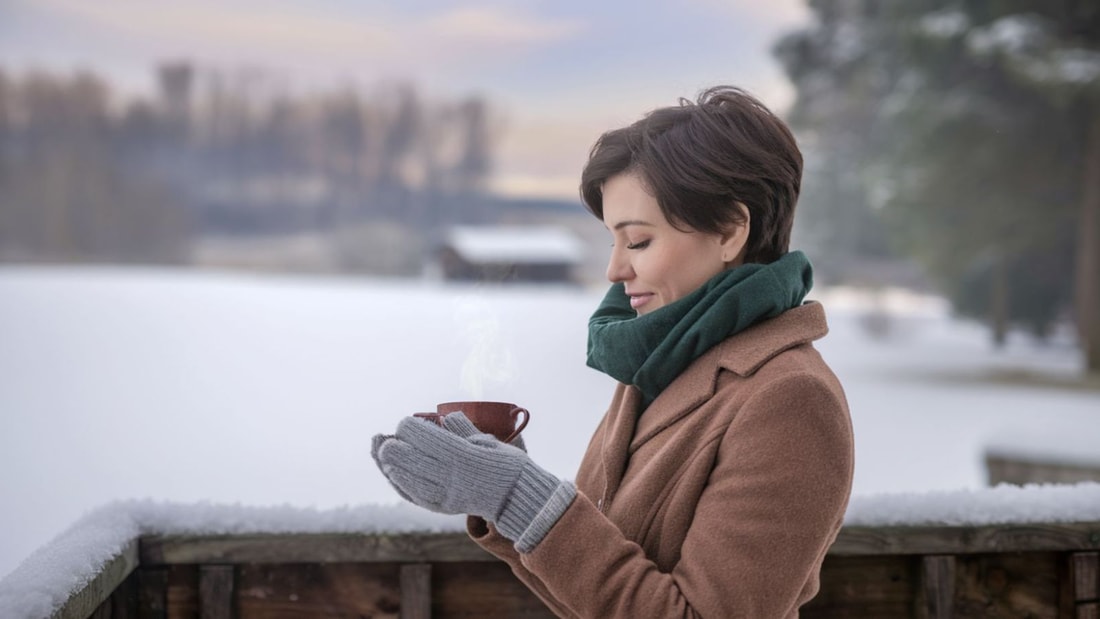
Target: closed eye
(638, 245)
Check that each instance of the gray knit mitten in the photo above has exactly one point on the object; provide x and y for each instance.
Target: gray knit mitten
(376, 443)
(457, 469)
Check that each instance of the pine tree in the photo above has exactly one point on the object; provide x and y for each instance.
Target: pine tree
(980, 138)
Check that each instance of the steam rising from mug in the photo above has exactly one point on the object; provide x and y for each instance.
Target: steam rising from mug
(489, 360)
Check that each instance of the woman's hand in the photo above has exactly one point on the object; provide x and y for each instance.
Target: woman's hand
(457, 469)
(451, 470)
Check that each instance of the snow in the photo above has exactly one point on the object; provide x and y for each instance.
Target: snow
(1024, 39)
(1076, 66)
(1011, 34)
(213, 402)
(945, 23)
(1003, 504)
(848, 43)
(45, 579)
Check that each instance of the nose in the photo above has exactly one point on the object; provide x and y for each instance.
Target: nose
(618, 266)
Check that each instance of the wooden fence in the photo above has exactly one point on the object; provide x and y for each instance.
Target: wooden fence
(1034, 570)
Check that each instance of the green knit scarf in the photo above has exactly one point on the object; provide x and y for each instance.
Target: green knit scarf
(651, 350)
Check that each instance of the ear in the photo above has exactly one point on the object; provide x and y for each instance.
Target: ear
(736, 239)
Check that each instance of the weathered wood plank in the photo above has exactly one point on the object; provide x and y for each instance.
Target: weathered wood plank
(216, 591)
(990, 585)
(182, 595)
(456, 547)
(1086, 577)
(328, 590)
(103, 611)
(153, 594)
(1044, 570)
(311, 548)
(938, 586)
(859, 587)
(482, 590)
(967, 540)
(416, 591)
(91, 597)
(1008, 585)
(124, 599)
(1066, 605)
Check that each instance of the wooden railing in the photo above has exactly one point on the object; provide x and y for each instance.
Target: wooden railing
(1035, 570)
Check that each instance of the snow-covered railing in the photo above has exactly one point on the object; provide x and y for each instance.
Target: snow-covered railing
(1005, 551)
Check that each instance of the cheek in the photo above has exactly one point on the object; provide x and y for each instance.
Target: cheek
(666, 274)
(652, 264)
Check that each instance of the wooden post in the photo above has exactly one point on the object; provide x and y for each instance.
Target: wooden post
(416, 591)
(1086, 584)
(124, 599)
(216, 591)
(938, 584)
(153, 593)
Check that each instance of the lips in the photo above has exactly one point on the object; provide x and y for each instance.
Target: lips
(638, 300)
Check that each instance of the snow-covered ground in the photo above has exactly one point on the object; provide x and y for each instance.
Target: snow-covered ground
(190, 387)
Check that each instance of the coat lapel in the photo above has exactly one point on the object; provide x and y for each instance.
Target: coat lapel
(623, 417)
(742, 354)
(688, 391)
(625, 428)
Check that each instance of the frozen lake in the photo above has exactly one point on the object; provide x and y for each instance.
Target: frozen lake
(189, 386)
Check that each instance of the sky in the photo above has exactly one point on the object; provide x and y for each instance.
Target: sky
(556, 73)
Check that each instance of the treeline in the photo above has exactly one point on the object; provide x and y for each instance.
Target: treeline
(87, 176)
(968, 135)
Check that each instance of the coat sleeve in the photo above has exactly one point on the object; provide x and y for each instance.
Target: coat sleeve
(486, 536)
(772, 505)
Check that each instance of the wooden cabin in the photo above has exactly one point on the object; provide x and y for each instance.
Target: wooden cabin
(509, 254)
(1013, 465)
(1024, 570)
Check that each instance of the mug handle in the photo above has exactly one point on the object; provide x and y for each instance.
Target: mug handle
(515, 413)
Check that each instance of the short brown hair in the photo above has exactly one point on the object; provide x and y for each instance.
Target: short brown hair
(700, 159)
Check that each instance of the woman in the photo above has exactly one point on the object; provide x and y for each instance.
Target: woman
(720, 473)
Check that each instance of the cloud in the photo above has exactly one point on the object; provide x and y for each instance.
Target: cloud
(563, 187)
(784, 13)
(362, 40)
(201, 24)
(495, 26)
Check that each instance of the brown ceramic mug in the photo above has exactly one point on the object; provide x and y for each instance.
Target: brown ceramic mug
(496, 418)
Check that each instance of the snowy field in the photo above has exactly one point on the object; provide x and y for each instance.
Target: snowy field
(190, 387)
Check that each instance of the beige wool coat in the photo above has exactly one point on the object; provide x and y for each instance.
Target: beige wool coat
(719, 501)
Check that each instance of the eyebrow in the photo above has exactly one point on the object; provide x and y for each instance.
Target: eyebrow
(631, 222)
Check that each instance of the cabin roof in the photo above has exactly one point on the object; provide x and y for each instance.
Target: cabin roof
(515, 244)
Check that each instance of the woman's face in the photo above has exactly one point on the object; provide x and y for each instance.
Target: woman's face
(657, 263)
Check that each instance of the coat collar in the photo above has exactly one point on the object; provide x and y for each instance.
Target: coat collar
(743, 354)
